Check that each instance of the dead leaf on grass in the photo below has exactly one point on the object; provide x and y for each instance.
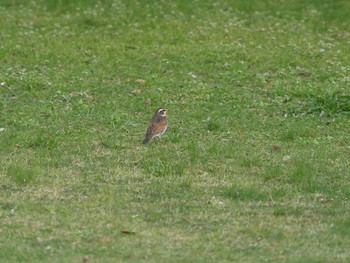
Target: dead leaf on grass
(275, 148)
(140, 81)
(148, 101)
(202, 172)
(74, 93)
(135, 92)
(106, 239)
(327, 200)
(192, 75)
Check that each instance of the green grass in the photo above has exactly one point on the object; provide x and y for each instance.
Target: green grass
(254, 166)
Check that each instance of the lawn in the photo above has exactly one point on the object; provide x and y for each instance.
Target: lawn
(254, 166)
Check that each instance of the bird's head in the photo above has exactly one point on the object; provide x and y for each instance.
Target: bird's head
(161, 112)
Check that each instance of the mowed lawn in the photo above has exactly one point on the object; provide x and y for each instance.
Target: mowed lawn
(255, 164)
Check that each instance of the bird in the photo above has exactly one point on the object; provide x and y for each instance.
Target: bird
(158, 125)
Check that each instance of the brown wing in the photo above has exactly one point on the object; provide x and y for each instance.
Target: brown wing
(156, 127)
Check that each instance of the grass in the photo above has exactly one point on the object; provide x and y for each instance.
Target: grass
(253, 168)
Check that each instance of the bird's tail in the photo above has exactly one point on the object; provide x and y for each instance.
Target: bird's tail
(146, 139)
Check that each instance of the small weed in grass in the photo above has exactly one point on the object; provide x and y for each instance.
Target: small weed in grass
(342, 226)
(42, 139)
(21, 174)
(213, 125)
(193, 151)
(330, 103)
(304, 176)
(250, 161)
(325, 103)
(289, 135)
(295, 132)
